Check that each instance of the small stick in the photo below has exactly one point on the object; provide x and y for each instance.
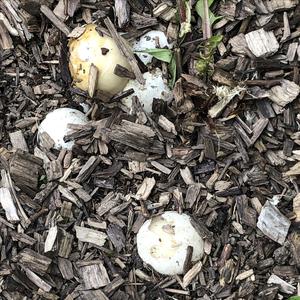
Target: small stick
(124, 48)
(55, 20)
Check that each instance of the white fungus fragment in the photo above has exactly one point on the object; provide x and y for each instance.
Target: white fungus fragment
(56, 125)
(151, 40)
(154, 87)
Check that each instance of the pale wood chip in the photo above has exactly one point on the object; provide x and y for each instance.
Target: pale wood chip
(92, 236)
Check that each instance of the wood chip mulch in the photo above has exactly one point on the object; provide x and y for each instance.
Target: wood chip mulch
(231, 161)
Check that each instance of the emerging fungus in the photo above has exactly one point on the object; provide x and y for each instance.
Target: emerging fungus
(154, 87)
(56, 125)
(151, 40)
(101, 51)
(163, 241)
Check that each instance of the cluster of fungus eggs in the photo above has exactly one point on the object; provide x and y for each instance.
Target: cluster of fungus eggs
(162, 241)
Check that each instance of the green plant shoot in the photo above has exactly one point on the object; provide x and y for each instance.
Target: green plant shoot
(165, 55)
(207, 56)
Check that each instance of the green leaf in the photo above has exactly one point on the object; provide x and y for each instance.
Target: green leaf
(160, 54)
(294, 298)
(214, 41)
(200, 11)
(172, 68)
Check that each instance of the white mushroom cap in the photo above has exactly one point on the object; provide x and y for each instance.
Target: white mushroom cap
(154, 87)
(101, 51)
(162, 242)
(150, 40)
(56, 125)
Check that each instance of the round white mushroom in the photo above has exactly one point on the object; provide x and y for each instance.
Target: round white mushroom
(154, 87)
(162, 242)
(150, 40)
(56, 125)
(101, 51)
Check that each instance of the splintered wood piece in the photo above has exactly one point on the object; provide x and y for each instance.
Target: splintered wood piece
(292, 51)
(258, 129)
(37, 280)
(286, 27)
(285, 93)
(83, 195)
(139, 129)
(294, 238)
(65, 243)
(33, 260)
(5, 22)
(187, 176)
(113, 285)
(158, 166)
(274, 5)
(284, 286)
(51, 238)
(273, 223)
(69, 195)
(92, 236)
(8, 205)
(262, 43)
(45, 141)
(116, 235)
(22, 237)
(111, 200)
(55, 20)
(72, 7)
(145, 189)
(94, 294)
(244, 275)
(217, 109)
(166, 124)
(239, 44)
(191, 274)
(6, 42)
(296, 207)
(93, 79)
(124, 48)
(294, 170)
(25, 169)
(94, 275)
(122, 12)
(18, 141)
(136, 141)
(66, 268)
(88, 169)
(123, 72)
(53, 170)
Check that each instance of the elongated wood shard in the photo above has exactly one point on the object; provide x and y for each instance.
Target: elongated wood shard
(8, 205)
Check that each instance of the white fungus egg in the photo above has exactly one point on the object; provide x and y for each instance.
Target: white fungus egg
(151, 40)
(56, 125)
(162, 242)
(154, 87)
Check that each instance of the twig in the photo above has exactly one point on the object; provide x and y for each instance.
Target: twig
(55, 20)
(124, 48)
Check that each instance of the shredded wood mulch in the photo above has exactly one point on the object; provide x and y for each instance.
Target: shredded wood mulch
(224, 150)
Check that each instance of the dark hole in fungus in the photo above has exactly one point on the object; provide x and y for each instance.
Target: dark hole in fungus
(104, 51)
